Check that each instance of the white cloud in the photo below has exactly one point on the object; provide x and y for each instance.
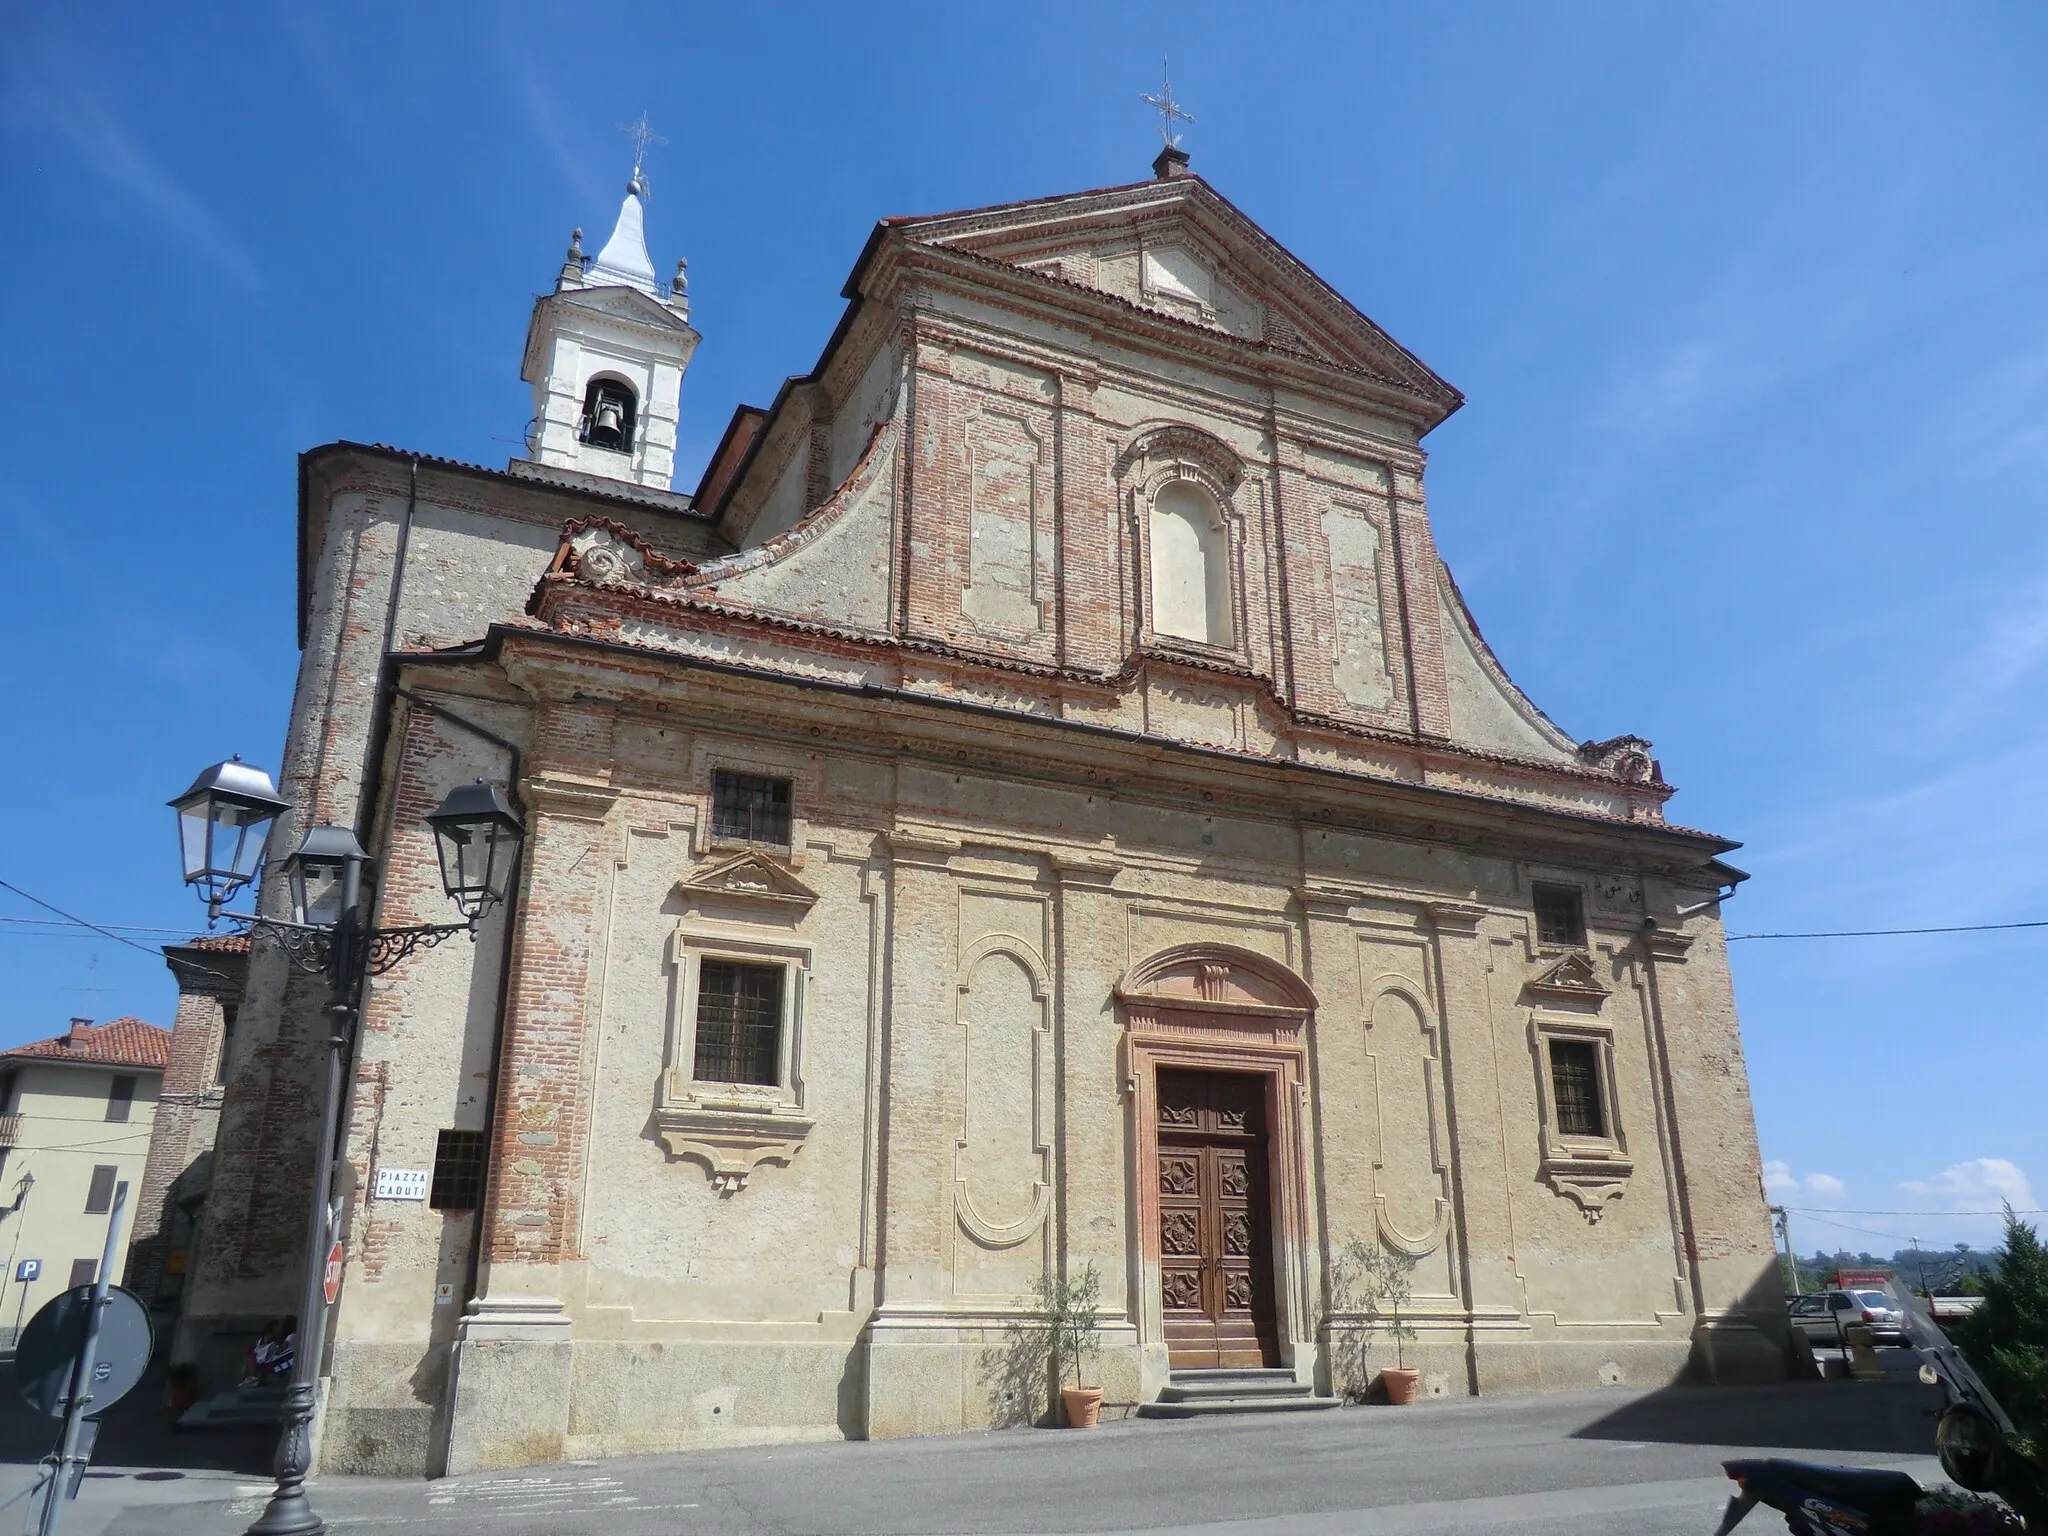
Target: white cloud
(1781, 1181)
(1975, 1187)
(45, 89)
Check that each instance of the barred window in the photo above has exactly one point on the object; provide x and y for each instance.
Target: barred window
(458, 1171)
(1560, 916)
(750, 809)
(1575, 1085)
(739, 1023)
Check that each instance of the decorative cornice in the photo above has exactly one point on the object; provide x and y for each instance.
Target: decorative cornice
(1456, 917)
(1666, 945)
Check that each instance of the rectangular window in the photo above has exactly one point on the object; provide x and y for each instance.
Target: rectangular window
(739, 1023)
(1560, 917)
(84, 1272)
(120, 1096)
(1575, 1084)
(458, 1171)
(750, 809)
(100, 1198)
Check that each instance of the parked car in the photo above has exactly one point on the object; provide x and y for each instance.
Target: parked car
(1823, 1316)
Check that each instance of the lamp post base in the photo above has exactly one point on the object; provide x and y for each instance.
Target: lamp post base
(289, 1513)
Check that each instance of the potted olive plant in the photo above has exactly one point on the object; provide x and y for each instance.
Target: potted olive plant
(1369, 1287)
(1070, 1305)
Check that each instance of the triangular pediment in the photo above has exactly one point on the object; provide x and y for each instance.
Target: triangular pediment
(620, 303)
(1572, 976)
(1176, 247)
(748, 878)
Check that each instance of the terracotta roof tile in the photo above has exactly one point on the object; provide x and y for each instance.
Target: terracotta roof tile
(116, 1043)
(219, 943)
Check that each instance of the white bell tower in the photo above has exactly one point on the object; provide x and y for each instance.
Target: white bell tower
(605, 354)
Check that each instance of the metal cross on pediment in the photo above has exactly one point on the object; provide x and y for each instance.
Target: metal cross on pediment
(1169, 110)
(642, 135)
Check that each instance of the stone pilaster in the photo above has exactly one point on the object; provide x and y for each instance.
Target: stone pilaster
(1502, 1359)
(513, 1359)
(1094, 1207)
(914, 1350)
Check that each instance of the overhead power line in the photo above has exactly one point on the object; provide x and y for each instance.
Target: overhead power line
(148, 949)
(1882, 933)
(1835, 1210)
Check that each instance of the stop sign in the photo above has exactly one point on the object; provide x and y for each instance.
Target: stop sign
(330, 1286)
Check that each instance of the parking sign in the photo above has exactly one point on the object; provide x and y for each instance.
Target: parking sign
(28, 1269)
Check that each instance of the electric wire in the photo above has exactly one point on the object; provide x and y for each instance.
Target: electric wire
(146, 949)
(1884, 933)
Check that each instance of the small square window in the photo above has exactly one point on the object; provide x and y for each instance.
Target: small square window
(1560, 916)
(748, 808)
(99, 1199)
(120, 1097)
(458, 1171)
(1575, 1088)
(739, 1023)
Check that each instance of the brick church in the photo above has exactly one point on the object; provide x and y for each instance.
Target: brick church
(1039, 802)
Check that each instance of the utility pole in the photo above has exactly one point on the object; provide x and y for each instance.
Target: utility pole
(1784, 1225)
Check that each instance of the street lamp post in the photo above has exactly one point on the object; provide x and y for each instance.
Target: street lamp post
(224, 820)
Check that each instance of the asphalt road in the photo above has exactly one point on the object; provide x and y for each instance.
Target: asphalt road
(1585, 1464)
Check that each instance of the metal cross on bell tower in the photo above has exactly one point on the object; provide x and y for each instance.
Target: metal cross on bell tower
(642, 135)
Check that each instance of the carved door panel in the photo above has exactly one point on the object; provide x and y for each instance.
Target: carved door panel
(1215, 1221)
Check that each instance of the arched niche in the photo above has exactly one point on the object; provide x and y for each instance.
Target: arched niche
(1193, 594)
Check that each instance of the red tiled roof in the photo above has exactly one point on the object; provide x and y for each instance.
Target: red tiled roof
(221, 943)
(116, 1043)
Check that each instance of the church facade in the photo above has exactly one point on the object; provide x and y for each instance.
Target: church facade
(1040, 806)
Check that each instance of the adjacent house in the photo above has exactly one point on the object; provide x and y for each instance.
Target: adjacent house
(76, 1113)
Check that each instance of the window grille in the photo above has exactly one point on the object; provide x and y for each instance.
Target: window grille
(458, 1171)
(99, 1199)
(1560, 917)
(739, 1023)
(750, 809)
(120, 1096)
(1575, 1085)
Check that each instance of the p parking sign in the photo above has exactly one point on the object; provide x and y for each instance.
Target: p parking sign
(29, 1269)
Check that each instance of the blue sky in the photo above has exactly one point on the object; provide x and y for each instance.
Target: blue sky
(1747, 301)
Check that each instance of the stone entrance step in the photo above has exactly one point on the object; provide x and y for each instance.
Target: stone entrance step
(242, 1405)
(1202, 1393)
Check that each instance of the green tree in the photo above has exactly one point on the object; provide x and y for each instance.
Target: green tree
(2007, 1337)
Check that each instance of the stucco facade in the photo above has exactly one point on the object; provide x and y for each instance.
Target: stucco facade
(1083, 604)
(75, 1118)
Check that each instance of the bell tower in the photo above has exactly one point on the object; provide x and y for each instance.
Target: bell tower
(605, 354)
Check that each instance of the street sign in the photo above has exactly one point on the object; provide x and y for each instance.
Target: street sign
(402, 1184)
(28, 1269)
(48, 1352)
(330, 1286)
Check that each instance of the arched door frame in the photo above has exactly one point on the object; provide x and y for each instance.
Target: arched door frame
(1217, 1008)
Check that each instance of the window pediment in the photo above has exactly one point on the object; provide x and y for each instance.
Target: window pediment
(1570, 977)
(750, 880)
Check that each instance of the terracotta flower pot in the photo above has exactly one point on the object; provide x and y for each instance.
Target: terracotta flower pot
(1083, 1406)
(1400, 1385)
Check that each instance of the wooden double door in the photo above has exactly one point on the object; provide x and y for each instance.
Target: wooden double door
(1215, 1221)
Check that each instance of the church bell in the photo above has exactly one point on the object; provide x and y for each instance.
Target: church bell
(607, 431)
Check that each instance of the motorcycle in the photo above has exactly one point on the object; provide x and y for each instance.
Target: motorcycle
(1973, 1439)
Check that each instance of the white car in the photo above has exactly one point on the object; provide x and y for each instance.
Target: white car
(1824, 1316)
